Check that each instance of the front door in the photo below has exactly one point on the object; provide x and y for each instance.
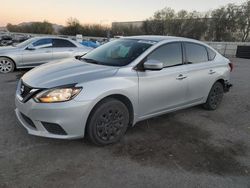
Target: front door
(39, 52)
(165, 89)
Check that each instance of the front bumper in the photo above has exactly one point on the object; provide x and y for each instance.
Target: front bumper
(65, 120)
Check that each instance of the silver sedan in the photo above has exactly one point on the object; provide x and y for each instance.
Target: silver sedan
(119, 84)
(37, 51)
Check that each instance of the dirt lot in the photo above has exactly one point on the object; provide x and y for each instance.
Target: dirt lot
(188, 148)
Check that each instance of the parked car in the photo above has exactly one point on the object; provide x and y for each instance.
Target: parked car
(90, 43)
(37, 51)
(119, 84)
(6, 40)
(18, 38)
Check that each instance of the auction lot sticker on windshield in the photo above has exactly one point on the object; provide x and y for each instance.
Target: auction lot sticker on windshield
(147, 41)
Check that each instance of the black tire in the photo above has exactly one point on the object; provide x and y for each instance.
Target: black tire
(215, 97)
(6, 65)
(108, 122)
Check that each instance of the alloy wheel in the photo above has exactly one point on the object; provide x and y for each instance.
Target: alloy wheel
(6, 65)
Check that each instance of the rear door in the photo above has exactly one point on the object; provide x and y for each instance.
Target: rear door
(201, 74)
(39, 52)
(63, 48)
(164, 89)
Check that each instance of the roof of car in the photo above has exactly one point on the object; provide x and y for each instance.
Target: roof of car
(53, 37)
(57, 37)
(158, 38)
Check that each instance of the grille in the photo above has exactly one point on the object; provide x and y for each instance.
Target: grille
(24, 90)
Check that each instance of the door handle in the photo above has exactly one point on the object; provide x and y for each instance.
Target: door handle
(47, 51)
(181, 77)
(212, 72)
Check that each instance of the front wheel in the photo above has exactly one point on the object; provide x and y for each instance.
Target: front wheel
(6, 65)
(215, 97)
(108, 122)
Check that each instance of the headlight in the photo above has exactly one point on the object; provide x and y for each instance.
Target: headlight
(57, 95)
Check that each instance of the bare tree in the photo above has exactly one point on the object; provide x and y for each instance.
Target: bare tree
(243, 20)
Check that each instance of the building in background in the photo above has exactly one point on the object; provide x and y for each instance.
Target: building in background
(128, 24)
(127, 28)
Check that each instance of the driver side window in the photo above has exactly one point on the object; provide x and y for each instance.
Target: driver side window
(43, 43)
(169, 54)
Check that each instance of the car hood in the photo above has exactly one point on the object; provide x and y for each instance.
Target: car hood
(82, 51)
(8, 49)
(66, 72)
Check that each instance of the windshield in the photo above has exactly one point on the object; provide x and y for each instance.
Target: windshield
(25, 43)
(119, 52)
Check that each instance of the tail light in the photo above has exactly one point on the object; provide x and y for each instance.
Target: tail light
(231, 65)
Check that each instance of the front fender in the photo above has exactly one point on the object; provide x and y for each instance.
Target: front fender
(97, 90)
(16, 58)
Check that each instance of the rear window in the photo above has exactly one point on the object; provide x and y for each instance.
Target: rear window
(61, 43)
(196, 53)
(211, 54)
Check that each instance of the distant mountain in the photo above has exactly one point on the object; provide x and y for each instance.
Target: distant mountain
(56, 27)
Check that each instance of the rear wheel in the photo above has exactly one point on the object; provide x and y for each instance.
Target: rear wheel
(108, 122)
(215, 97)
(6, 65)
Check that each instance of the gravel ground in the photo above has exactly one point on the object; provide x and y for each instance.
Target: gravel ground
(188, 148)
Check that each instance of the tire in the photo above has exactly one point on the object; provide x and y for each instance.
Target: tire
(6, 65)
(108, 122)
(215, 97)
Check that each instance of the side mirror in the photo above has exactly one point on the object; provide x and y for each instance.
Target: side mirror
(153, 65)
(30, 48)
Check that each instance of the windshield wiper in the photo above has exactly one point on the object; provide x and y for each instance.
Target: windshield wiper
(88, 60)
